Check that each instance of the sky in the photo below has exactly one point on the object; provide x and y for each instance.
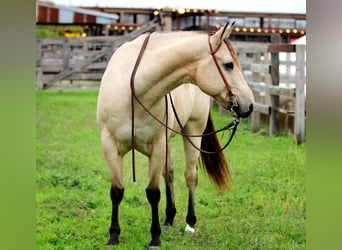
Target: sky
(265, 6)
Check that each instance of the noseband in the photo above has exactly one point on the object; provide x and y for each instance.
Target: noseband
(231, 126)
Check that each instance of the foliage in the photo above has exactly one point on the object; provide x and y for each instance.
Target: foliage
(265, 208)
(56, 31)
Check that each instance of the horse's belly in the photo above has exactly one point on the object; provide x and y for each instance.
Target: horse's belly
(145, 138)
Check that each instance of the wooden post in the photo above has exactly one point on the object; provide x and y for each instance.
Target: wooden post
(38, 53)
(274, 71)
(255, 117)
(39, 70)
(39, 77)
(300, 94)
(65, 53)
(166, 16)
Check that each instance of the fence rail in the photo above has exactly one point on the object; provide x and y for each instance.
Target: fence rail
(79, 59)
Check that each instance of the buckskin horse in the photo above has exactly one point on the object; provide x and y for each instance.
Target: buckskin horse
(133, 104)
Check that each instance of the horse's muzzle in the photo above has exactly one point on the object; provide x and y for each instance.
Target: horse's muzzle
(236, 110)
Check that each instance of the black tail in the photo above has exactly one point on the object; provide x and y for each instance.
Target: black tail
(215, 165)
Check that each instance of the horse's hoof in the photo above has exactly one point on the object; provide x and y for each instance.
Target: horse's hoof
(153, 247)
(189, 229)
(166, 226)
(109, 244)
(155, 243)
(112, 242)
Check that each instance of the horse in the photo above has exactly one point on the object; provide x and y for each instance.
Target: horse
(132, 102)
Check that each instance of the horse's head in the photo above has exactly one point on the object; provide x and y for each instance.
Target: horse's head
(219, 74)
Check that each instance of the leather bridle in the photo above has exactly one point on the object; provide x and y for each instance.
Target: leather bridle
(213, 52)
(232, 126)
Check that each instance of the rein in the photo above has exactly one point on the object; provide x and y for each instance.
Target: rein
(133, 96)
(231, 126)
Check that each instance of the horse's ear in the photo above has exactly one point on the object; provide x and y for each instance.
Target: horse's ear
(220, 35)
(228, 28)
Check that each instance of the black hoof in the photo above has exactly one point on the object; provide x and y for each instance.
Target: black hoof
(113, 240)
(153, 247)
(155, 243)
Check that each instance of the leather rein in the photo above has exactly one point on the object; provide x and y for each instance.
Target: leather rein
(231, 126)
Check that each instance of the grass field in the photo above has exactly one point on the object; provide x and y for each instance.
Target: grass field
(265, 208)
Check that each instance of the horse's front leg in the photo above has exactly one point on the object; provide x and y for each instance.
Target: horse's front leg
(116, 195)
(170, 210)
(114, 161)
(157, 163)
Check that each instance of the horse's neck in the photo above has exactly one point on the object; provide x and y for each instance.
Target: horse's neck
(170, 61)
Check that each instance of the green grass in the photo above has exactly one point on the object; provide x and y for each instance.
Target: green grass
(265, 208)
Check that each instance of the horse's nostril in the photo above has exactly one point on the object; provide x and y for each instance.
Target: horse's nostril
(251, 108)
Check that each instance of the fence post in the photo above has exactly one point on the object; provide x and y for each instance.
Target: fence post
(39, 77)
(274, 71)
(39, 70)
(255, 117)
(300, 94)
(65, 53)
(166, 18)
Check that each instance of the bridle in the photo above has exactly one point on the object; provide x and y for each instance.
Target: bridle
(213, 52)
(231, 126)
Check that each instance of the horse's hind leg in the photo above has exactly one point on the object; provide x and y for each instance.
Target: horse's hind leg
(114, 161)
(191, 155)
(170, 210)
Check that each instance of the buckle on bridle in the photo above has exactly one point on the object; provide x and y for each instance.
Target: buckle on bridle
(233, 105)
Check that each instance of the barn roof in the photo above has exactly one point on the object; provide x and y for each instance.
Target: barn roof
(61, 14)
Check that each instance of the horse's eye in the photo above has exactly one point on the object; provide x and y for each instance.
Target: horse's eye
(229, 66)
